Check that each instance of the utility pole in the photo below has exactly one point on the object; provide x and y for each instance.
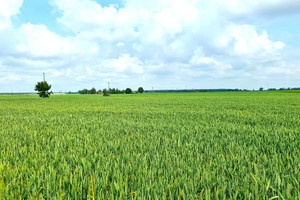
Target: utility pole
(44, 76)
(108, 87)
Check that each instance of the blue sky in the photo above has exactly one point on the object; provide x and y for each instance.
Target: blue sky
(164, 44)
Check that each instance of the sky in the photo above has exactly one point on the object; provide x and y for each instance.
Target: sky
(159, 44)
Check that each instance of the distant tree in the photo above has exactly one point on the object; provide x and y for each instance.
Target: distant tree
(261, 89)
(128, 91)
(43, 89)
(106, 92)
(84, 91)
(113, 91)
(140, 90)
(93, 91)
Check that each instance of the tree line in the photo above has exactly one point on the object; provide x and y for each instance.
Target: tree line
(113, 91)
(86, 91)
(110, 91)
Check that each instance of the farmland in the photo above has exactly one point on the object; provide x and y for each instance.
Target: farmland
(235, 145)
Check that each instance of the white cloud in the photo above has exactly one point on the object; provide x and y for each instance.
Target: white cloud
(9, 8)
(4, 24)
(208, 65)
(179, 40)
(125, 64)
(38, 41)
(245, 41)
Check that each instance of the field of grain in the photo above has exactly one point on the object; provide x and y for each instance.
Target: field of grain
(243, 145)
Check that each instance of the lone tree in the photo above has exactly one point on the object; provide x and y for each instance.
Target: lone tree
(128, 91)
(43, 89)
(141, 90)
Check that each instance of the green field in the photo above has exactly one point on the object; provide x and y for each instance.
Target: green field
(243, 145)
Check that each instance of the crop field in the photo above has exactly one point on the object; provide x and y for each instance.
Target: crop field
(235, 145)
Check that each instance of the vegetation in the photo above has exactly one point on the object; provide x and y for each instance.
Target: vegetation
(93, 91)
(104, 91)
(86, 91)
(211, 90)
(128, 91)
(234, 145)
(43, 89)
(113, 91)
(140, 90)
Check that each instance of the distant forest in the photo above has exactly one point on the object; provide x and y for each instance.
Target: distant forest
(117, 91)
(215, 90)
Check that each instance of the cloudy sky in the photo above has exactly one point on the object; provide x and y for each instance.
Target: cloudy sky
(164, 44)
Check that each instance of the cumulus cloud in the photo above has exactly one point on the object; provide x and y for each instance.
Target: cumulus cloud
(38, 41)
(10, 8)
(159, 41)
(244, 40)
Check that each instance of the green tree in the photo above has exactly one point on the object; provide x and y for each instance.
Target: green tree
(43, 89)
(261, 89)
(141, 90)
(93, 91)
(128, 91)
(113, 91)
(84, 91)
(105, 92)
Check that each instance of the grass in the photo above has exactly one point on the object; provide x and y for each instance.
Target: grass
(239, 145)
